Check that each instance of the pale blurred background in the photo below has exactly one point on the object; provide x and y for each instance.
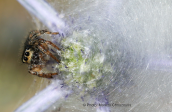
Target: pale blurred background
(16, 84)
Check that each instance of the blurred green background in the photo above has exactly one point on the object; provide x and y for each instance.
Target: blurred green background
(16, 84)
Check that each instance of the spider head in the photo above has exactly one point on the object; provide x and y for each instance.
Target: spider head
(30, 55)
(27, 55)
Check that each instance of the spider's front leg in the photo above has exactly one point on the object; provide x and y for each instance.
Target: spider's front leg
(37, 70)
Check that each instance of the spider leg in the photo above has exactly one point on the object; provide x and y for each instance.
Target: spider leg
(47, 75)
(49, 42)
(36, 33)
(44, 48)
(37, 70)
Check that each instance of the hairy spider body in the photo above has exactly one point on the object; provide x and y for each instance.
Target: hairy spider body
(35, 50)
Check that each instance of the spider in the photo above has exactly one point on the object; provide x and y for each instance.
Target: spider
(35, 51)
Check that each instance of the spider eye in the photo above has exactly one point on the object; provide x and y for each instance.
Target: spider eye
(25, 58)
(26, 54)
(27, 48)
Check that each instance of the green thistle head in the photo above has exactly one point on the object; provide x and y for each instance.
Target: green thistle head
(82, 63)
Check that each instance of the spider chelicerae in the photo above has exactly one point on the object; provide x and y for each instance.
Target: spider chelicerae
(35, 50)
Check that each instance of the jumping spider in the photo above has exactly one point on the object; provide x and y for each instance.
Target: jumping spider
(35, 50)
